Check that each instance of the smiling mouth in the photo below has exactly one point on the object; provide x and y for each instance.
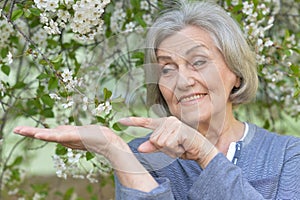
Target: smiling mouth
(191, 98)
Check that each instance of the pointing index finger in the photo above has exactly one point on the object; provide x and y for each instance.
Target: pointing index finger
(144, 122)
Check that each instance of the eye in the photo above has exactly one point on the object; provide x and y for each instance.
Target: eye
(198, 63)
(167, 69)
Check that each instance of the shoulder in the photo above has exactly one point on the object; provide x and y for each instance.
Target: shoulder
(262, 139)
(266, 135)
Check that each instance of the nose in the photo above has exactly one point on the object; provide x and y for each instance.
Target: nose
(186, 78)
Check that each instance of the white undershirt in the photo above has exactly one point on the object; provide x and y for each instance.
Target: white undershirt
(232, 146)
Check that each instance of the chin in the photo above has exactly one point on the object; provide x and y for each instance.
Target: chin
(195, 120)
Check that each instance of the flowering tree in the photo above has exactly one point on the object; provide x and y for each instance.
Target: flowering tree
(80, 62)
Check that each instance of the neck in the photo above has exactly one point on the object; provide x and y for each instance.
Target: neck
(223, 130)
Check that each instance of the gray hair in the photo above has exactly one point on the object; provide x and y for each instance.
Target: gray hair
(225, 32)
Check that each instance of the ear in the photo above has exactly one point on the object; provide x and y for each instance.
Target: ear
(237, 82)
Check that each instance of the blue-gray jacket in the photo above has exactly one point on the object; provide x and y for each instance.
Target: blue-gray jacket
(268, 167)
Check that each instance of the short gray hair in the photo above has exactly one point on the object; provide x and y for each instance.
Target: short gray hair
(228, 38)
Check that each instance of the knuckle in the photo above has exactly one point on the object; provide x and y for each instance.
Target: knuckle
(172, 118)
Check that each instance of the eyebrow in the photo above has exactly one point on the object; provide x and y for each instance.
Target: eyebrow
(186, 53)
(195, 47)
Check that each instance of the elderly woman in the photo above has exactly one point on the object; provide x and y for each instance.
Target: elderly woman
(198, 66)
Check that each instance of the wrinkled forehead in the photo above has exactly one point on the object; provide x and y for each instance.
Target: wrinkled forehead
(185, 41)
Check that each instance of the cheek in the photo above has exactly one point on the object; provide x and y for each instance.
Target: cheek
(166, 88)
(167, 93)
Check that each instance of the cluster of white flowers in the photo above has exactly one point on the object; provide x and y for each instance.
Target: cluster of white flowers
(10, 182)
(259, 20)
(49, 5)
(6, 31)
(255, 28)
(87, 20)
(70, 81)
(118, 18)
(69, 165)
(60, 166)
(102, 107)
(82, 16)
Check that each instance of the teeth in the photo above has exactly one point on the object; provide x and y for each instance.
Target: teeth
(198, 96)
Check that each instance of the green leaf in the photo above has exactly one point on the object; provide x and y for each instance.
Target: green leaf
(35, 11)
(4, 52)
(17, 14)
(295, 69)
(60, 150)
(19, 85)
(135, 3)
(53, 83)
(297, 93)
(47, 100)
(139, 19)
(89, 156)
(5, 69)
(27, 13)
(267, 124)
(17, 161)
(58, 59)
(119, 127)
(68, 194)
(107, 94)
(47, 113)
(42, 76)
(101, 120)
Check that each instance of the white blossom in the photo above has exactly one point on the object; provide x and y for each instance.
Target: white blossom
(148, 19)
(52, 5)
(85, 102)
(73, 158)
(103, 107)
(64, 15)
(129, 27)
(9, 58)
(67, 75)
(144, 5)
(90, 177)
(54, 96)
(38, 196)
(13, 192)
(60, 166)
(2, 89)
(68, 104)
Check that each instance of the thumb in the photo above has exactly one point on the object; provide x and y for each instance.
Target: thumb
(147, 147)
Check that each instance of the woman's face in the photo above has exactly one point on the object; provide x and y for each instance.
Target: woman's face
(194, 78)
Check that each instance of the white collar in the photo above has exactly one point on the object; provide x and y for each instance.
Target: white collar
(232, 146)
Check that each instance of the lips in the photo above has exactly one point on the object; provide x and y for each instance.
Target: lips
(192, 97)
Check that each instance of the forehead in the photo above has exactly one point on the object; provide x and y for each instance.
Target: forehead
(184, 40)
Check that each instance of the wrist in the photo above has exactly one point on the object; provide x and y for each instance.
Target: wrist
(209, 156)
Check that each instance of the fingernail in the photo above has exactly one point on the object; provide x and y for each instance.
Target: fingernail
(17, 129)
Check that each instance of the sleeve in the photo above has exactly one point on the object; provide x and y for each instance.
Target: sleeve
(289, 184)
(234, 186)
(162, 192)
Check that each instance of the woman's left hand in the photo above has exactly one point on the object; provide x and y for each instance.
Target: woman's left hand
(174, 138)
